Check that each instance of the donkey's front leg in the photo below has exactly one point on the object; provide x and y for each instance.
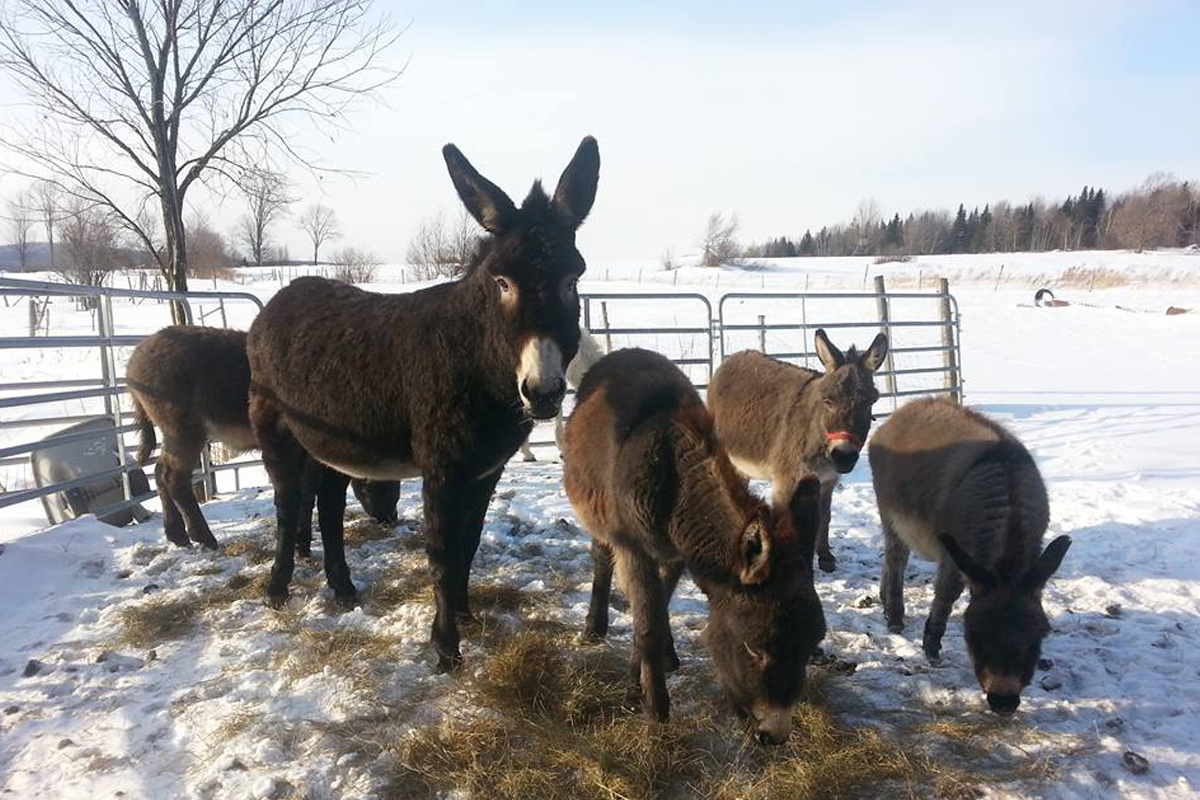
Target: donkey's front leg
(475, 498)
(443, 530)
(825, 558)
(644, 589)
(946, 589)
(670, 574)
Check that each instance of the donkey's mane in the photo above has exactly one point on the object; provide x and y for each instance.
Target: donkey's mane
(697, 425)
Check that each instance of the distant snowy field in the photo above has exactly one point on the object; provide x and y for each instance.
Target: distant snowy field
(226, 707)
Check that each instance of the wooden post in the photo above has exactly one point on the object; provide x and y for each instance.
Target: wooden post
(949, 354)
(762, 333)
(604, 318)
(885, 319)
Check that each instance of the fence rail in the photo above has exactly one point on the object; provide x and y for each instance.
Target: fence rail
(696, 339)
(110, 387)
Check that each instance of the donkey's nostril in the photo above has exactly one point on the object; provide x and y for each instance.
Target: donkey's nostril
(766, 738)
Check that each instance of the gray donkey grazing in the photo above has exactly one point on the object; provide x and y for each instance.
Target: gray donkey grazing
(781, 422)
(654, 488)
(962, 491)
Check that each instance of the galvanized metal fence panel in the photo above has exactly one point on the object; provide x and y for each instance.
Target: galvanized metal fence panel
(99, 350)
(923, 327)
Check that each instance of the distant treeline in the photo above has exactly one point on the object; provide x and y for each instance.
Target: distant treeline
(1162, 212)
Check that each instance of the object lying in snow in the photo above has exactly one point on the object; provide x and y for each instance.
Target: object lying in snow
(56, 463)
(1045, 299)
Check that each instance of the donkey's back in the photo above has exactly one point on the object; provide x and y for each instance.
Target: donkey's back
(940, 468)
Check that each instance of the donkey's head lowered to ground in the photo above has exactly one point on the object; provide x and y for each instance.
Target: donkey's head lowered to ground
(1004, 623)
(532, 266)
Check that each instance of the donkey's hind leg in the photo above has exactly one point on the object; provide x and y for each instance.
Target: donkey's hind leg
(173, 525)
(670, 573)
(181, 455)
(331, 509)
(284, 459)
(643, 587)
(310, 482)
(891, 584)
(596, 625)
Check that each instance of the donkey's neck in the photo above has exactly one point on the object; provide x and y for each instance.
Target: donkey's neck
(706, 520)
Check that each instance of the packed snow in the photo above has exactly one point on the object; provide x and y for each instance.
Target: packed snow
(230, 703)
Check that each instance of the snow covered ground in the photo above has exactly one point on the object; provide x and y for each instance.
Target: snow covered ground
(131, 670)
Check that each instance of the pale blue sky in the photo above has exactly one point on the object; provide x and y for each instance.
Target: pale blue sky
(786, 113)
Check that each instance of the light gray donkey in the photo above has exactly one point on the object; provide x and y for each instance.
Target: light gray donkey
(962, 491)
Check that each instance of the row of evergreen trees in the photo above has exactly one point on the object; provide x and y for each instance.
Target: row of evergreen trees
(1163, 212)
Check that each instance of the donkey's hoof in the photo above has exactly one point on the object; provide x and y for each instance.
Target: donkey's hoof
(178, 538)
(207, 542)
(895, 627)
(826, 563)
(304, 552)
(276, 600)
(448, 662)
(346, 601)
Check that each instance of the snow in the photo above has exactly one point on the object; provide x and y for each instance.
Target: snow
(1106, 399)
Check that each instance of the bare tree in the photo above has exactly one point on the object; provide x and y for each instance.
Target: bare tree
(866, 223)
(91, 244)
(47, 201)
(321, 225)
(355, 266)
(20, 225)
(267, 198)
(135, 103)
(440, 251)
(209, 255)
(719, 244)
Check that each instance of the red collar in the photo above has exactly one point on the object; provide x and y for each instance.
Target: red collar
(843, 436)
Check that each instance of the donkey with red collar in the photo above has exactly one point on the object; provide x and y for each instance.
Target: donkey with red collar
(780, 422)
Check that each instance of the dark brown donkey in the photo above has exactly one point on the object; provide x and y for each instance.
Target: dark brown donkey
(962, 491)
(649, 481)
(194, 384)
(442, 383)
(781, 422)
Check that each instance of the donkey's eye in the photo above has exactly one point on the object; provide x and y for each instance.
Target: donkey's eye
(829, 404)
(504, 284)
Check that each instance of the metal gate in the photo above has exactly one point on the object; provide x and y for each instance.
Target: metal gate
(99, 347)
(924, 354)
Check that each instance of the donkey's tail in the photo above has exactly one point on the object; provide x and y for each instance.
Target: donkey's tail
(145, 432)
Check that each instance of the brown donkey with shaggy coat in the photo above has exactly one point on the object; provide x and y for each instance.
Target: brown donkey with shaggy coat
(442, 383)
(649, 481)
(193, 382)
(781, 422)
(962, 491)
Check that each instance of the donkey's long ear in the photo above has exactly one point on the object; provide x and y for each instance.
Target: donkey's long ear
(831, 357)
(486, 201)
(873, 358)
(976, 573)
(805, 508)
(1047, 563)
(754, 553)
(577, 187)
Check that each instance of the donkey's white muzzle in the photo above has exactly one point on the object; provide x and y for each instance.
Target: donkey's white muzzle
(540, 377)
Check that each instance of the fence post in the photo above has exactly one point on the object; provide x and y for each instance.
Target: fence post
(885, 319)
(604, 319)
(949, 353)
(762, 333)
(108, 371)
